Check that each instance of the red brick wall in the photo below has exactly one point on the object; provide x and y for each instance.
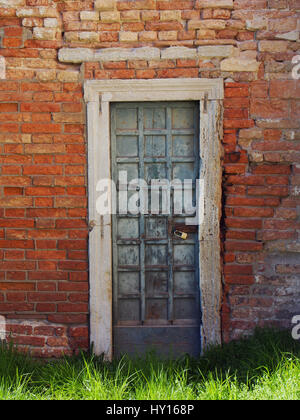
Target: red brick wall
(43, 184)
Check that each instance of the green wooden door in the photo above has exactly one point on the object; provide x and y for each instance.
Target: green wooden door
(156, 304)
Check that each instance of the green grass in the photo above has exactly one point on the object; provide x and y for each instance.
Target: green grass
(263, 366)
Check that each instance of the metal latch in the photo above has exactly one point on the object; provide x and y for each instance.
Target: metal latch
(93, 224)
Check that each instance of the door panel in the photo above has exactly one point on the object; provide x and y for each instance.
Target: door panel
(156, 303)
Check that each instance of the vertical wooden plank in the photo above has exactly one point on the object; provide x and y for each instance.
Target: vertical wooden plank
(210, 255)
(142, 216)
(100, 256)
(170, 216)
(114, 172)
(197, 176)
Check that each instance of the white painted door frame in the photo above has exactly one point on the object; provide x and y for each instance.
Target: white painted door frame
(98, 96)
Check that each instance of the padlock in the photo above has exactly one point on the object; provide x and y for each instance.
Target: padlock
(181, 235)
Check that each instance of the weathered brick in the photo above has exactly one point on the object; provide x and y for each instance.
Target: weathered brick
(273, 46)
(273, 108)
(137, 5)
(214, 4)
(57, 341)
(105, 4)
(89, 15)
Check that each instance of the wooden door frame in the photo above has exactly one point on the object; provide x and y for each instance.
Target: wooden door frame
(98, 96)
